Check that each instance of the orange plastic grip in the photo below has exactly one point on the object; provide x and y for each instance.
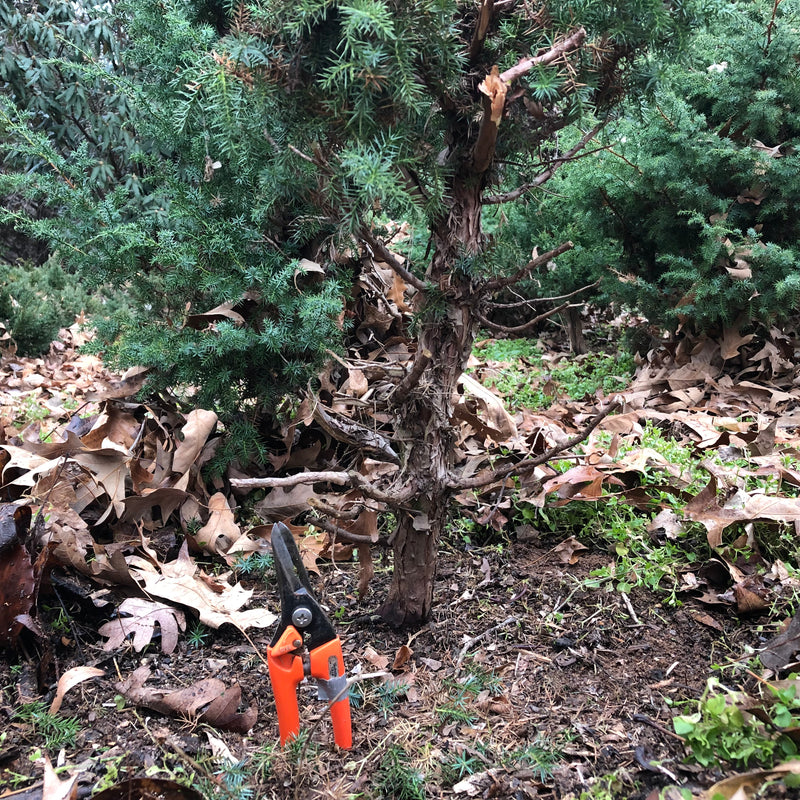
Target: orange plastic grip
(321, 660)
(285, 673)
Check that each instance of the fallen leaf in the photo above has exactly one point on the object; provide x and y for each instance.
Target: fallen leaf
(783, 649)
(221, 530)
(746, 785)
(56, 789)
(568, 549)
(402, 657)
(148, 789)
(199, 424)
(72, 677)
(179, 582)
(138, 617)
(207, 700)
(377, 660)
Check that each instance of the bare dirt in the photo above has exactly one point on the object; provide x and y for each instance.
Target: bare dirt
(550, 664)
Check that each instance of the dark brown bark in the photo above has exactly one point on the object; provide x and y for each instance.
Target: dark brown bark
(423, 419)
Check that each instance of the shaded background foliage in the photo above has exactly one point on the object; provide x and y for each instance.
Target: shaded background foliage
(687, 215)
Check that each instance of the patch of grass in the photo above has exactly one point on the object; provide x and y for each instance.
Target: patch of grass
(521, 375)
(55, 730)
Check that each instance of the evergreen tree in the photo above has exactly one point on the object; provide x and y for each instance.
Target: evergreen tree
(286, 138)
(689, 214)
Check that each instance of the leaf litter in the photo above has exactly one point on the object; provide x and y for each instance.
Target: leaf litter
(133, 470)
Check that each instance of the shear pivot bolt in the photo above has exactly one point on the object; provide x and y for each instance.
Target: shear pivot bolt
(301, 617)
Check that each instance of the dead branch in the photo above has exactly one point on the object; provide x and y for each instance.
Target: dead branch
(387, 256)
(525, 65)
(526, 465)
(349, 478)
(481, 29)
(341, 534)
(545, 176)
(520, 274)
(535, 300)
(339, 477)
(331, 511)
(526, 326)
(404, 388)
(354, 434)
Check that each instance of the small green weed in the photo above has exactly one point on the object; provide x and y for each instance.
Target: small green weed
(57, 731)
(541, 756)
(382, 696)
(254, 566)
(397, 778)
(197, 636)
(458, 765)
(459, 706)
(728, 725)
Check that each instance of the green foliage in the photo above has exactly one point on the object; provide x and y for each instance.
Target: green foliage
(687, 213)
(197, 636)
(36, 302)
(55, 730)
(397, 778)
(722, 728)
(526, 381)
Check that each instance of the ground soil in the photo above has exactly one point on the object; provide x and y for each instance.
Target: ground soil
(578, 672)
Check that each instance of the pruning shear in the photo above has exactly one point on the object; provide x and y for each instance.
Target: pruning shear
(304, 626)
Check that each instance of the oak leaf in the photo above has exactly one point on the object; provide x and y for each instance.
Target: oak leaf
(140, 621)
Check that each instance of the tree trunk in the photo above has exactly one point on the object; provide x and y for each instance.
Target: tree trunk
(423, 417)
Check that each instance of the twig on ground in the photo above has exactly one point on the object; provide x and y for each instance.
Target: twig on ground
(475, 639)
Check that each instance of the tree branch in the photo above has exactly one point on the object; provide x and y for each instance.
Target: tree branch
(379, 248)
(481, 29)
(554, 299)
(403, 389)
(525, 65)
(340, 477)
(341, 534)
(500, 283)
(545, 176)
(526, 326)
(529, 463)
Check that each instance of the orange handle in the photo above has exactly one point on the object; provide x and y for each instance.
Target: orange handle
(285, 673)
(326, 662)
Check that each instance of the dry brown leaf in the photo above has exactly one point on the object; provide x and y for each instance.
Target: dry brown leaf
(179, 582)
(207, 700)
(199, 424)
(109, 471)
(402, 657)
(222, 312)
(282, 504)
(140, 620)
(71, 678)
(147, 788)
(732, 341)
(380, 662)
(221, 530)
(568, 549)
(56, 789)
(746, 785)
